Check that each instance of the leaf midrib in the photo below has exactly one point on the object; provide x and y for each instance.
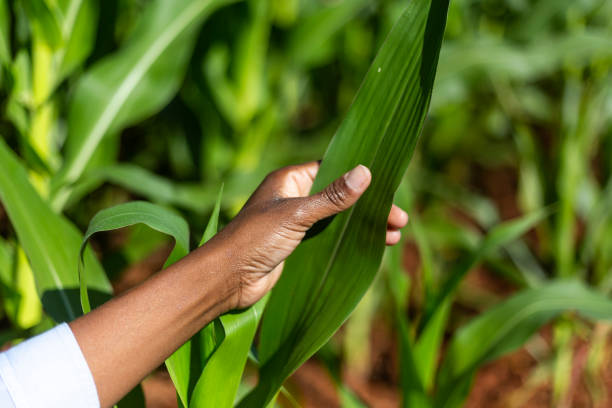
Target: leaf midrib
(70, 18)
(68, 28)
(130, 83)
(332, 260)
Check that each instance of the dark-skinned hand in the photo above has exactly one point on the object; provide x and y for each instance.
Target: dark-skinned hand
(275, 219)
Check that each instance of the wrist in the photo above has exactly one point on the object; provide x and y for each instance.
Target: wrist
(218, 273)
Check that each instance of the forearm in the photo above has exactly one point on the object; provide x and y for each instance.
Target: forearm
(138, 330)
(128, 337)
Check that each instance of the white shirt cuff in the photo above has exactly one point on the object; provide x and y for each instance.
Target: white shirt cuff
(48, 370)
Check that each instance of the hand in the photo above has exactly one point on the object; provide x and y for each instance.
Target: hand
(275, 219)
(139, 329)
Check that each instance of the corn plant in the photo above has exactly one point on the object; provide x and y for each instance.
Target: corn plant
(111, 93)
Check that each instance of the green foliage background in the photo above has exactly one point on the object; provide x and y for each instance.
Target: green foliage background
(111, 101)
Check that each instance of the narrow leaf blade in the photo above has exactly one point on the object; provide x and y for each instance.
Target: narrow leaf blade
(509, 325)
(327, 275)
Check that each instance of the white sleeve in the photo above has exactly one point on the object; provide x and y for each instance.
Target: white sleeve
(47, 371)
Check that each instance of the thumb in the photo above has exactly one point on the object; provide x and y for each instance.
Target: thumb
(338, 196)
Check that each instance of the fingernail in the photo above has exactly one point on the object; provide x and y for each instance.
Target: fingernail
(358, 178)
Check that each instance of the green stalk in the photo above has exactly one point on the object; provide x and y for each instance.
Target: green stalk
(563, 344)
(568, 178)
(43, 115)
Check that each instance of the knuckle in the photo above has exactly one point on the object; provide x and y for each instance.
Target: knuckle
(336, 194)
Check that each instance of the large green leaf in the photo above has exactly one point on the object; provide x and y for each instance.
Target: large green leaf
(133, 83)
(506, 327)
(327, 275)
(49, 241)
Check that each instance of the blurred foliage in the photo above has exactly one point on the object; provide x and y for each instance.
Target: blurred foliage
(226, 91)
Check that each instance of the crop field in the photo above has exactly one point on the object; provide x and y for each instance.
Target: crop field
(131, 131)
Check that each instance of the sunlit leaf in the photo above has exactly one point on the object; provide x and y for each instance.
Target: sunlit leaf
(133, 83)
(327, 275)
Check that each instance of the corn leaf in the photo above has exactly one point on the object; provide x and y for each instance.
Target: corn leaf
(506, 327)
(213, 223)
(74, 23)
(138, 180)
(499, 236)
(411, 380)
(78, 25)
(49, 241)
(7, 260)
(5, 30)
(434, 323)
(327, 275)
(218, 384)
(206, 370)
(133, 83)
(8, 290)
(428, 345)
(44, 20)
